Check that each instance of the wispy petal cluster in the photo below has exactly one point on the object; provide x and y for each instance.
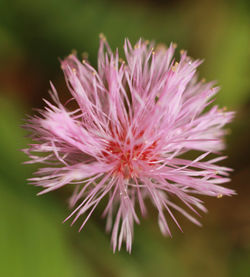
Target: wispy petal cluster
(128, 137)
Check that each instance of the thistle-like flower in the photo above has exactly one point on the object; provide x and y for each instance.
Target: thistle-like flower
(128, 137)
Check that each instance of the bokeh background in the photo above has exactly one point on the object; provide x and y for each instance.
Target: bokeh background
(33, 36)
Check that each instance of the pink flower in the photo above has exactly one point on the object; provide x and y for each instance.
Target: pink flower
(125, 141)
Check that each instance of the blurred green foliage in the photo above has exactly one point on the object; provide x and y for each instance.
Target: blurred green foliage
(33, 34)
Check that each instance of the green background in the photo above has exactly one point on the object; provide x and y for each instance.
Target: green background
(33, 35)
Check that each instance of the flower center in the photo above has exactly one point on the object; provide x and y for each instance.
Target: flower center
(130, 160)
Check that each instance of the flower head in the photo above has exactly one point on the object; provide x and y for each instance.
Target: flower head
(126, 140)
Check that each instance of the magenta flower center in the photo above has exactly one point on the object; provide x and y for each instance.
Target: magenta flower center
(130, 158)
